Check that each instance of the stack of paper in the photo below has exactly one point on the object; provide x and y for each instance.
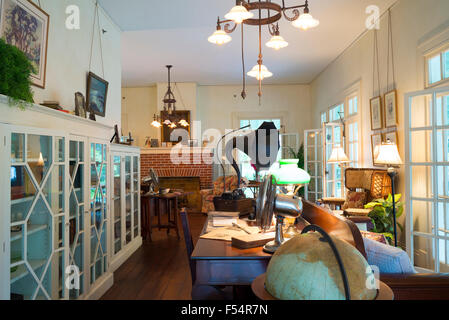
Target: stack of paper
(223, 221)
(223, 214)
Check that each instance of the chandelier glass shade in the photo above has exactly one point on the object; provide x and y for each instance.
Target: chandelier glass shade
(238, 14)
(260, 13)
(305, 22)
(156, 122)
(260, 72)
(219, 37)
(277, 42)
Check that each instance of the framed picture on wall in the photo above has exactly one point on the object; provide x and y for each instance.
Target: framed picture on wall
(97, 93)
(376, 113)
(376, 141)
(181, 132)
(25, 25)
(80, 105)
(392, 136)
(391, 110)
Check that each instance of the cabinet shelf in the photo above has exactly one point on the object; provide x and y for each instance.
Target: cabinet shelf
(22, 270)
(17, 235)
(22, 200)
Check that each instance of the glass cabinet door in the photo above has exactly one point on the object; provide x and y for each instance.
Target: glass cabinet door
(117, 203)
(136, 196)
(98, 210)
(77, 189)
(128, 200)
(38, 190)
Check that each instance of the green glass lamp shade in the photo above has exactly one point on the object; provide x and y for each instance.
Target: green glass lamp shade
(289, 173)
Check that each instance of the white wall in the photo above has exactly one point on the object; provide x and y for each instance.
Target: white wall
(221, 107)
(415, 22)
(217, 107)
(68, 57)
(138, 108)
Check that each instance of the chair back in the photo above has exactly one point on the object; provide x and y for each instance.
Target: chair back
(188, 241)
(334, 225)
(374, 181)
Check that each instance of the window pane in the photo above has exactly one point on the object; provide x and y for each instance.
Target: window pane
(446, 64)
(355, 105)
(434, 69)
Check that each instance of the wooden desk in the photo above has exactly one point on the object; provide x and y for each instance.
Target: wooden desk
(220, 264)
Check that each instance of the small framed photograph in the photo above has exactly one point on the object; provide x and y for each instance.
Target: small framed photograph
(376, 142)
(80, 105)
(391, 110)
(97, 93)
(154, 143)
(376, 113)
(392, 136)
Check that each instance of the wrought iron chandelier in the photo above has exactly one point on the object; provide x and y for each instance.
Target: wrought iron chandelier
(268, 13)
(169, 108)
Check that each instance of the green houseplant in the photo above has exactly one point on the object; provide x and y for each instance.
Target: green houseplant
(15, 71)
(300, 156)
(382, 215)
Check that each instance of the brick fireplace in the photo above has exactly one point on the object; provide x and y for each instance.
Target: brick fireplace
(199, 164)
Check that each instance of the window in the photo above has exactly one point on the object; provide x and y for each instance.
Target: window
(323, 117)
(437, 67)
(353, 143)
(352, 105)
(336, 113)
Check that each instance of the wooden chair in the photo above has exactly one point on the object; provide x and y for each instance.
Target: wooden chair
(200, 292)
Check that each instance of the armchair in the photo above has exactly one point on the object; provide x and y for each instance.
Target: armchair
(364, 186)
(207, 195)
(395, 267)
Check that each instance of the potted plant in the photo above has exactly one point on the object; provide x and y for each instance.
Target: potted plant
(300, 156)
(382, 215)
(15, 71)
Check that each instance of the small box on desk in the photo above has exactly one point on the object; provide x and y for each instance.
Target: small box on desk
(244, 206)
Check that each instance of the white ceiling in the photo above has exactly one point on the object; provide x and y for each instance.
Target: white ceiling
(157, 33)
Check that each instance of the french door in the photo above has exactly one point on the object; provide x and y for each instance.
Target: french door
(313, 155)
(427, 178)
(333, 137)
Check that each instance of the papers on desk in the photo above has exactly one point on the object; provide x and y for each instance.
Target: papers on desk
(223, 214)
(223, 221)
(228, 232)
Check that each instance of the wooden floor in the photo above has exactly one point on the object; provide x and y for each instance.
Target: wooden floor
(159, 270)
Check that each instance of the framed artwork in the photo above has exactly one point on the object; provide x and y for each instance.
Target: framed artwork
(391, 110)
(25, 25)
(176, 116)
(392, 136)
(97, 93)
(80, 105)
(376, 113)
(376, 141)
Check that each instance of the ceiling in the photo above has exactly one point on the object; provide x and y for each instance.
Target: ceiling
(157, 33)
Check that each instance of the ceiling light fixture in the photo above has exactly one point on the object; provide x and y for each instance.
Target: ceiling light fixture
(269, 13)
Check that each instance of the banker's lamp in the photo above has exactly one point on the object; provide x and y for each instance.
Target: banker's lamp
(270, 203)
(389, 156)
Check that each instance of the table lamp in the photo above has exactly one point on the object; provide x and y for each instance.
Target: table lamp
(389, 156)
(270, 203)
(338, 156)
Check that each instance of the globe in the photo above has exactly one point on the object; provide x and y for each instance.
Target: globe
(305, 268)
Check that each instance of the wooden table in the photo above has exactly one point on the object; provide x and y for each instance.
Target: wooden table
(220, 264)
(154, 205)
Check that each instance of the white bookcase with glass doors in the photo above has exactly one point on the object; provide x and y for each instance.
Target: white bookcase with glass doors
(125, 202)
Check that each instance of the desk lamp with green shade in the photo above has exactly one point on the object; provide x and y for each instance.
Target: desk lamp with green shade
(282, 205)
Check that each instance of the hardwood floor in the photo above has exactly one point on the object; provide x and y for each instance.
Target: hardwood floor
(159, 270)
